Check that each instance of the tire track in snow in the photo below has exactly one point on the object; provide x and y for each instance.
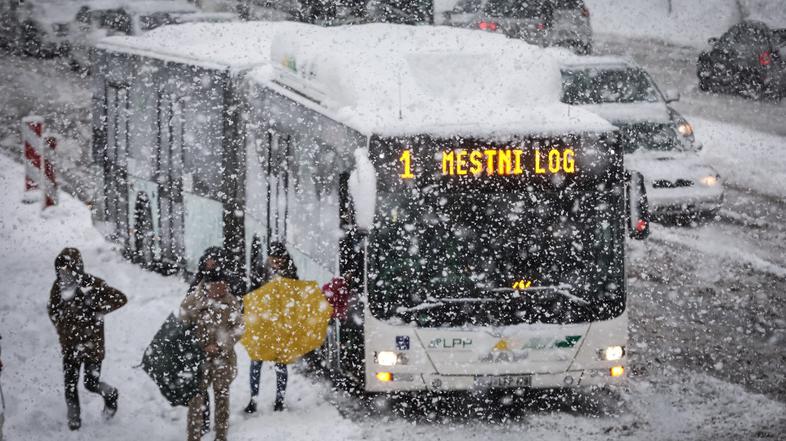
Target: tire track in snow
(725, 249)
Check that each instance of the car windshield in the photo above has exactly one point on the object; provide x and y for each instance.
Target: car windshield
(540, 9)
(450, 253)
(597, 86)
(648, 136)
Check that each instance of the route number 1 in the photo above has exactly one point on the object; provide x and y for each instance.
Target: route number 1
(406, 161)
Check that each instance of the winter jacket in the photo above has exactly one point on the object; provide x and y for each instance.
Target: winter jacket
(216, 322)
(79, 320)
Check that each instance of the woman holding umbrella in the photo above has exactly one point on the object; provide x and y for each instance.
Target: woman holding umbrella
(279, 263)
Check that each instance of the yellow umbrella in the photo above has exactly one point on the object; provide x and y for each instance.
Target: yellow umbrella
(285, 319)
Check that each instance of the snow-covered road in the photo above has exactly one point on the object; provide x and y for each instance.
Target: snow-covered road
(662, 401)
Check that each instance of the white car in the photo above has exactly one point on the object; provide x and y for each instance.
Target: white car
(658, 141)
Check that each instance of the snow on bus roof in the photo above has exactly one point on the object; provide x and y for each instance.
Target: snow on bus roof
(397, 80)
(233, 45)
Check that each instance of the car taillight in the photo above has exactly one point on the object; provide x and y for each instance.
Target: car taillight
(765, 59)
(487, 26)
(584, 11)
(540, 26)
(641, 225)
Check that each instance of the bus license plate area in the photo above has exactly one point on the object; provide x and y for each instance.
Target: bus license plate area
(502, 381)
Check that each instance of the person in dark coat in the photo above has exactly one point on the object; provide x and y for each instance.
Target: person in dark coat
(279, 263)
(77, 305)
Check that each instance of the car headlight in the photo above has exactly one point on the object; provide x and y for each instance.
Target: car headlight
(685, 128)
(612, 353)
(709, 180)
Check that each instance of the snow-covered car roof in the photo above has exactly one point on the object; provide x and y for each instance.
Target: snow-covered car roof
(444, 81)
(234, 46)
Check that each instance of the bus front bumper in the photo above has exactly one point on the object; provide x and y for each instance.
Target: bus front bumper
(436, 382)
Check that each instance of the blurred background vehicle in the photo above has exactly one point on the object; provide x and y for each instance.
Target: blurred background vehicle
(572, 28)
(658, 142)
(749, 59)
(101, 18)
(541, 22)
(42, 26)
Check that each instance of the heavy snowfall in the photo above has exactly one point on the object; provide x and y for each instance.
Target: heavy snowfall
(700, 280)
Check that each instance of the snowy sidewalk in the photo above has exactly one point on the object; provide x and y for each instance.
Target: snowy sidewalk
(32, 378)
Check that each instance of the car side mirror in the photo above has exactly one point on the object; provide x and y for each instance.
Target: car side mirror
(638, 213)
(672, 96)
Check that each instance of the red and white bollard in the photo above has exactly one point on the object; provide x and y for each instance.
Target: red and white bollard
(48, 181)
(32, 145)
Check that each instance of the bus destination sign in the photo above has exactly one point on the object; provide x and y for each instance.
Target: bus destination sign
(498, 162)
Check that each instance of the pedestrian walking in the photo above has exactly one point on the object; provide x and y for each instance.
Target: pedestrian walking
(77, 305)
(212, 259)
(279, 263)
(214, 313)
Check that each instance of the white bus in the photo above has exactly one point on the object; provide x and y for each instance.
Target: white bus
(479, 221)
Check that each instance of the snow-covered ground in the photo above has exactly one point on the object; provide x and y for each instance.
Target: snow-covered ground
(661, 402)
(745, 158)
(681, 22)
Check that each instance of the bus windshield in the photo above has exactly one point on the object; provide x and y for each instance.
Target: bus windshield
(497, 250)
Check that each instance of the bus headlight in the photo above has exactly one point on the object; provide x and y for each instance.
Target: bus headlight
(612, 353)
(388, 358)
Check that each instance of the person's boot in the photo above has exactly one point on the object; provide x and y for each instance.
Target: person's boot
(252, 406)
(278, 406)
(74, 421)
(110, 405)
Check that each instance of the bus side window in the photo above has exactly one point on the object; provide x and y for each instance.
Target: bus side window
(351, 244)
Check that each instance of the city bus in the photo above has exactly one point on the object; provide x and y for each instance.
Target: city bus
(478, 222)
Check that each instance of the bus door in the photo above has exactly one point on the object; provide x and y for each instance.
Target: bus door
(278, 184)
(169, 176)
(115, 161)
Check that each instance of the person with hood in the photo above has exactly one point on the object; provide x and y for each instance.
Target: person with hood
(215, 315)
(78, 302)
(212, 259)
(279, 263)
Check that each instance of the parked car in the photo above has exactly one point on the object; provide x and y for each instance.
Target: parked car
(94, 22)
(541, 22)
(749, 59)
(658, 142)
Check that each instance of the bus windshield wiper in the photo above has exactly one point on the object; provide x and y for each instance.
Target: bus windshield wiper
(561, 289)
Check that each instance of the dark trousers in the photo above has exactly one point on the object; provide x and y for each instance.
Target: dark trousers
(71, 367)
(282, 375)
